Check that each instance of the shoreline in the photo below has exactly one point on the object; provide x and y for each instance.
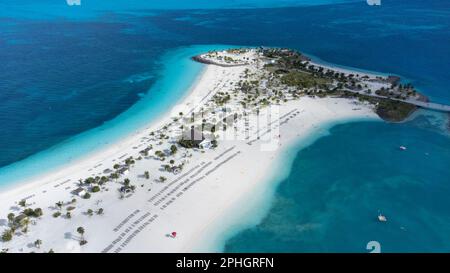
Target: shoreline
(90, 155)
(253, 213)
(314, 60)
(201, 60)
(207, 193)
(100, 155)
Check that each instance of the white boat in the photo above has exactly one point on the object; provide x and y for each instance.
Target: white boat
(403, 148)
(382, 218)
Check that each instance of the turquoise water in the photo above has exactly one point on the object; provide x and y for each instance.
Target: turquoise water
(337, 186)
(62, 76)
(178, 74)
(75, 79)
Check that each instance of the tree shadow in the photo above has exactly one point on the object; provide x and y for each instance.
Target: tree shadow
(15, 208)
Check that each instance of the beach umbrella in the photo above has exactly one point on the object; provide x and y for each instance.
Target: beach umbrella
(174, 234)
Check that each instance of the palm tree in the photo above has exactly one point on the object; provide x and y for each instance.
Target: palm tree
(7, 235)
(59, 205)
(23, 203)
(38, 212)
(81, 230)
(173, 149)
(129, 161)
(25, 222)
(38, 243)
(11, 217)
(126, 182)
(115, 176)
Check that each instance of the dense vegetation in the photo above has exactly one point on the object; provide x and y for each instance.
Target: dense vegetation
(304, 80)
(294, 70)
(394, 111)
(387, 109)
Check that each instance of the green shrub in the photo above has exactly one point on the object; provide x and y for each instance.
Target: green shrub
(7, 235)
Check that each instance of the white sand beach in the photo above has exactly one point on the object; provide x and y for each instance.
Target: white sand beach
(217, 190)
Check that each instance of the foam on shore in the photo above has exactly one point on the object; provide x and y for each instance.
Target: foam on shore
(177, 77)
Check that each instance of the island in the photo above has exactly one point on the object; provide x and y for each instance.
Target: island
(289, 70)
(180, 183)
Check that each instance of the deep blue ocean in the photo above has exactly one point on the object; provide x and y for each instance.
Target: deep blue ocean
(76, 78)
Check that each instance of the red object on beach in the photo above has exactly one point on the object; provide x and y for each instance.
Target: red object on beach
(174, 234)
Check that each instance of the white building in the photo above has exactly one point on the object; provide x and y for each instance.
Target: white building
(80, 192)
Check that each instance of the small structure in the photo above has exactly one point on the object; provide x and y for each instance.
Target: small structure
(205, 144)
(176, 170)
(125, 189)
(80, 192)
(123, 171)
